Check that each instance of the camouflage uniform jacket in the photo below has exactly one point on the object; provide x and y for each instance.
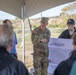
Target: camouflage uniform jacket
(37, 35)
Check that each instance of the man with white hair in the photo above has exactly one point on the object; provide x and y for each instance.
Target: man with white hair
(8, 64)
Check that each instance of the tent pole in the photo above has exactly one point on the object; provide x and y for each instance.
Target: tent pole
(41, 14)
(23, 41)
(23, 35)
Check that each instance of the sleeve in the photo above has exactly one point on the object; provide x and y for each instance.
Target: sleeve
(55, 72)
(48, 36)
(15, 38)
(62, 35)
(35, 37)
(22, 70)
(60, 68)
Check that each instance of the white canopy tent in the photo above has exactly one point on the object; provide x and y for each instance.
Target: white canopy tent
(27, 8)
(31, 6)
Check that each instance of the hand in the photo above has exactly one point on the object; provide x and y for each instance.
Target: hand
(44, 40)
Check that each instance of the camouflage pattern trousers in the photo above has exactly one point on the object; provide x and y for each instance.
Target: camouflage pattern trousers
(40, 65)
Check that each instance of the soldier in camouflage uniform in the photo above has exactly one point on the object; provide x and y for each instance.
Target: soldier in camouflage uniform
(40, 38)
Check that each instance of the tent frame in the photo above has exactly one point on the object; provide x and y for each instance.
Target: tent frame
(23, 33)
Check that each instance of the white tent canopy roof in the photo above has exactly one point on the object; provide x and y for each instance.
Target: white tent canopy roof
(32, 7)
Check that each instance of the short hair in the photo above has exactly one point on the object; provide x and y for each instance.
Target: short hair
(6, 36)
(5, 21)
(74, 38)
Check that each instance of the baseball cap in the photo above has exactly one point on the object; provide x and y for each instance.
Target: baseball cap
(70, 21)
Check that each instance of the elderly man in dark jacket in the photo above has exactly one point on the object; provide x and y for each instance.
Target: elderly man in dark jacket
(67, 34)
(8, 64)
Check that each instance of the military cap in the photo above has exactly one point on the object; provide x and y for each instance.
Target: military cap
(44, 19)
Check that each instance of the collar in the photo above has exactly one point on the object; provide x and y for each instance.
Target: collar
(3, 51)
(72, 30)
(5, 58)
(73, 56)
(42, 29)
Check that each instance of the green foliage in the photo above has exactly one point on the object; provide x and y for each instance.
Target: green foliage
(71, 7)
(52, 26)
(67, 8)
(61, 26)
(34, 26)
(56, 26)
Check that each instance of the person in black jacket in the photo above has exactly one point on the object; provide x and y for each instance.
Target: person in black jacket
(67, 34)
(65, 67)
(8, 64)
